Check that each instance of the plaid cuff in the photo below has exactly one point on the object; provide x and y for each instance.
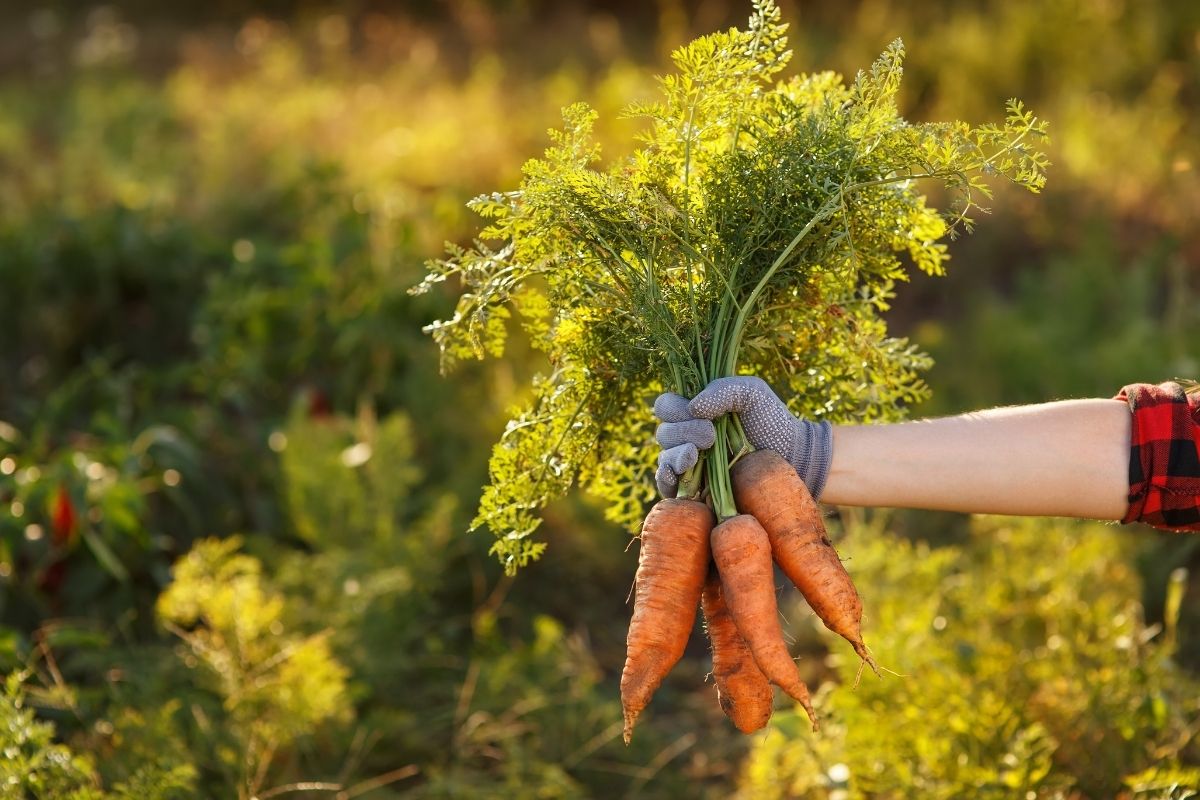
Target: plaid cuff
(1164, 456)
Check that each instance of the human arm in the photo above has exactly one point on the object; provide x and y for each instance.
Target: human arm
(1135, 458)
(1067, 458)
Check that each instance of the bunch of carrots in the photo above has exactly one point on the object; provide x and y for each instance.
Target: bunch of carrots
(688, 559)
(759, 228)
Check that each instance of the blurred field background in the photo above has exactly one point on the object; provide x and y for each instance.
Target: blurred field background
(210, 369)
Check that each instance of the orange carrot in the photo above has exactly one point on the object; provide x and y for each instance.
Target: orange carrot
(743, 555)
(767, 486)
(670, 578)
(742, 690)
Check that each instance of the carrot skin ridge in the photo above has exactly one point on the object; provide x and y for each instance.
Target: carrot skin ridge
(743, 556)
(767, 486)
(672, 564)
(743, 692)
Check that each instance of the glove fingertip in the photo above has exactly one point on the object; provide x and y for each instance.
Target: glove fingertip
(666, 480)
(671, 407)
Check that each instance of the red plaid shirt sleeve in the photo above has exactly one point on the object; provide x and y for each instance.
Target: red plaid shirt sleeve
(1164, 456)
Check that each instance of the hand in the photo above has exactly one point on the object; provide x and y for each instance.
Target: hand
(681, 437)
(768, 424)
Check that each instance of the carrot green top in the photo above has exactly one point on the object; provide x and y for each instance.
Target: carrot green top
(759, 225)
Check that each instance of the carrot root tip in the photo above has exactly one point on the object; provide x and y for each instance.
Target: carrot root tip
(858, 675)
(630, 721)
(812, 716)
(865, 655)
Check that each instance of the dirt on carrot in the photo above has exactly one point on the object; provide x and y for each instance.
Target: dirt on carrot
(767, 486)
(743, 555)
(672, 564)
(742, 689)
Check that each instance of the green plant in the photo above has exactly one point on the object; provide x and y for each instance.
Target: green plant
(1009, 348)
(34, 765)
(760, 227)
(484, 692)
(78, 533)
(274, 687)
(1026, 670)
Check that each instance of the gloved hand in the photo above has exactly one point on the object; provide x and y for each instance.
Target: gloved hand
(686, 429)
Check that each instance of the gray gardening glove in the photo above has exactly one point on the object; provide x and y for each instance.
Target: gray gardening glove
(807, 446)
(681, 437)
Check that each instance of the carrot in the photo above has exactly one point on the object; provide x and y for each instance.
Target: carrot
(767, 486)
(743, 555)
(670, 578)
(742, 690)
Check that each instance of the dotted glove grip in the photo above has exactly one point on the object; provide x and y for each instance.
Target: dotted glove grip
(687, 428)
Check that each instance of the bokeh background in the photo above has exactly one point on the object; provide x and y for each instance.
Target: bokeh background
(234, 487)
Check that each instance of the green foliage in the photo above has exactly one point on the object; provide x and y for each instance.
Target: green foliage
(147, 751)
(385, 575)
(487, 696)
(154, 336)
(34, 766)
(275, 687)
(1026, 669)
(1012, 350)
(1165, 783)
(349, 482)
(78, 526)
(797, 198)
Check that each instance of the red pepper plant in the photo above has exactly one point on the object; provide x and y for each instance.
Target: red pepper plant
(758, 226)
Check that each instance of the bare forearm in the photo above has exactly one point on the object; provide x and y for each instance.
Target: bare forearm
(1068, 458)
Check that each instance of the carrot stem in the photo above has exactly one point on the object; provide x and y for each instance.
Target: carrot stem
(734, 343)
(692, 482)
(718, 473)
(739, 442)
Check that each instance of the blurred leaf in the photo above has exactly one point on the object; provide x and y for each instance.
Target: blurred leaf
(105, 556)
